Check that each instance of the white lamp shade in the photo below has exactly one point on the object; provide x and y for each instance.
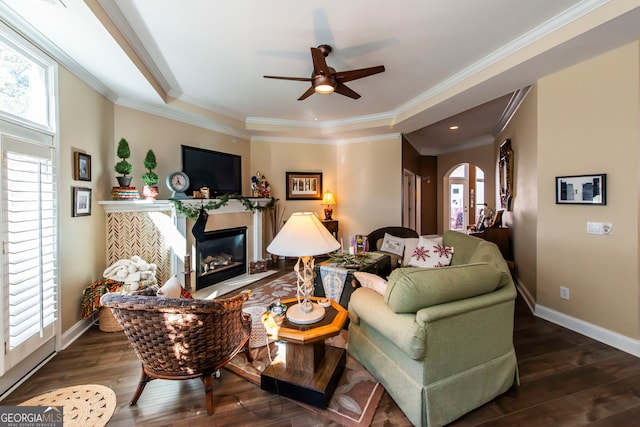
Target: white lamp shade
(303, 235)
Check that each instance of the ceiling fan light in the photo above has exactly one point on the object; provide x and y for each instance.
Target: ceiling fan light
(324, 85)
(324, 88)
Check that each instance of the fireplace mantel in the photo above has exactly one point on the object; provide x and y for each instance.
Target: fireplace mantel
(232, 206)
(180, 221)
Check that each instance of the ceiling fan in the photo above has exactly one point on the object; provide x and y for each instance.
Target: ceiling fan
(326, 79)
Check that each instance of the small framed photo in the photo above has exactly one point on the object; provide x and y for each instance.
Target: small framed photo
(81, 166)
(582, 189)
(304, 186)
(81, 201)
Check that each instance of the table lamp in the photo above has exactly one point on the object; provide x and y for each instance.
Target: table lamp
(328, 200)
(303, 236)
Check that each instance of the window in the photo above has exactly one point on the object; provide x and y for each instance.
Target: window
(28, 199)
(25, 82)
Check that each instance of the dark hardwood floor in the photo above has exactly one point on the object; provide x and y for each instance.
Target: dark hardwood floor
(566, 380)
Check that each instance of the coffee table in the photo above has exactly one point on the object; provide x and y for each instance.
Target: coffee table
(379, 264)
(311, 369)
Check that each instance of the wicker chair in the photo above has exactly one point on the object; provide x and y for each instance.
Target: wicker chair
(179, 339)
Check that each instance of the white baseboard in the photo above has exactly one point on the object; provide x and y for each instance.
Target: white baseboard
(76, 331)
(598, 333)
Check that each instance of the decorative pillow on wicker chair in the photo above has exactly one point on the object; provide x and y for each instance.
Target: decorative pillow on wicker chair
(431, 253)
(172, 288)
(371, 281)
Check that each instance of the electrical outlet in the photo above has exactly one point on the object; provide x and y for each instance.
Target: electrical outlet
(564, 292)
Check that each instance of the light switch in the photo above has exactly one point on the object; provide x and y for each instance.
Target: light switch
(599, 228)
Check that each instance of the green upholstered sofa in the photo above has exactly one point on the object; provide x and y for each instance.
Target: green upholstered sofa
(440, 340)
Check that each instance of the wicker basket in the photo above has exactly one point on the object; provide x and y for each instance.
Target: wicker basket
(107, 322)
(258, 332)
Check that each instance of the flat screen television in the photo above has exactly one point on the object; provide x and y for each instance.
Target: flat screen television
(221, 172)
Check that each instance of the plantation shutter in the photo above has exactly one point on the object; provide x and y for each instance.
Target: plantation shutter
(29, 247)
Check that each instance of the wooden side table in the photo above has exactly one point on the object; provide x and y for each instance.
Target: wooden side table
(311, 370)
(332, 226)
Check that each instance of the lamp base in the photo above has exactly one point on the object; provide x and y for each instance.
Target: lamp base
(296, 315)
(327, 214)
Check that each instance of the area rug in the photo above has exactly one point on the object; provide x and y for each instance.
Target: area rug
(230, 285)
(83, 405)
(358, 393)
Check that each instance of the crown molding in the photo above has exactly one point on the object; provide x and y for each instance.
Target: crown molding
(500, 54)
(114, 13)
(339, 141)
(184, 117)
(31, 34)
(516, 100)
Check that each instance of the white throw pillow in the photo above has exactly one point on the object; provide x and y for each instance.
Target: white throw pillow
(392, 244)
(431, 253)
(410, 246)
(172, 288)
(371, 281)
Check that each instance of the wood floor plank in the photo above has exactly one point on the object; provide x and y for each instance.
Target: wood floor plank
(566, 379)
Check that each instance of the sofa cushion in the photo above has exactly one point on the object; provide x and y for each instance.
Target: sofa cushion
(430, 253)
(392, 244)
(465, 246)
(410, 289)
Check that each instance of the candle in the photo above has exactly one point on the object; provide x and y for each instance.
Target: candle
(341, 247)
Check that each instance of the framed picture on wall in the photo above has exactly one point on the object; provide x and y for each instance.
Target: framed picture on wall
(304, 185)
(582, 189)
(81, 201)
(81, 166)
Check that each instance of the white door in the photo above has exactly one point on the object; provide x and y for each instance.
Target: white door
(411, 200)
(458, 204)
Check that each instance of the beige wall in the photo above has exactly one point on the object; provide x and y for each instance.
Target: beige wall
(86, 125)
(581, 120)
(369, 185)
(588, 123)
(275, 159)
(484, 157)
(164, 136)
(523, 217)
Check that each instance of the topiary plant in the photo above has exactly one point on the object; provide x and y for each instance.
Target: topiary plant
(123, 167)
(150, 178)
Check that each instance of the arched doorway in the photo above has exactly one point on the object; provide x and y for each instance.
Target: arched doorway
(464, 192)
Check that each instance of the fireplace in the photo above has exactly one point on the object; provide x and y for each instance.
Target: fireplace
(221, 255)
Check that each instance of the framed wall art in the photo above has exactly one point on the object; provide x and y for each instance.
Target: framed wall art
(304, 185)
(81, 201)
(81, 166)
(582, 189)
(506, 174)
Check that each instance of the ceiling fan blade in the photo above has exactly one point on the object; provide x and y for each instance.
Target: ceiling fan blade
(307, 94)
(344, 90)
(347, 76)
(319, 63)
(298, 79)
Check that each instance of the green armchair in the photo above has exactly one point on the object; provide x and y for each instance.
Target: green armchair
(440, 340)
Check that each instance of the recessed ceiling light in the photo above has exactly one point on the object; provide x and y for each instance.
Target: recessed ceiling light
(454, 127)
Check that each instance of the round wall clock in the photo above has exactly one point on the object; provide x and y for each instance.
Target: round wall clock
(178, 183)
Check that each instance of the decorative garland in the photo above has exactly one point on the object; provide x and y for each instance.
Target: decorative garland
(191, 210)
